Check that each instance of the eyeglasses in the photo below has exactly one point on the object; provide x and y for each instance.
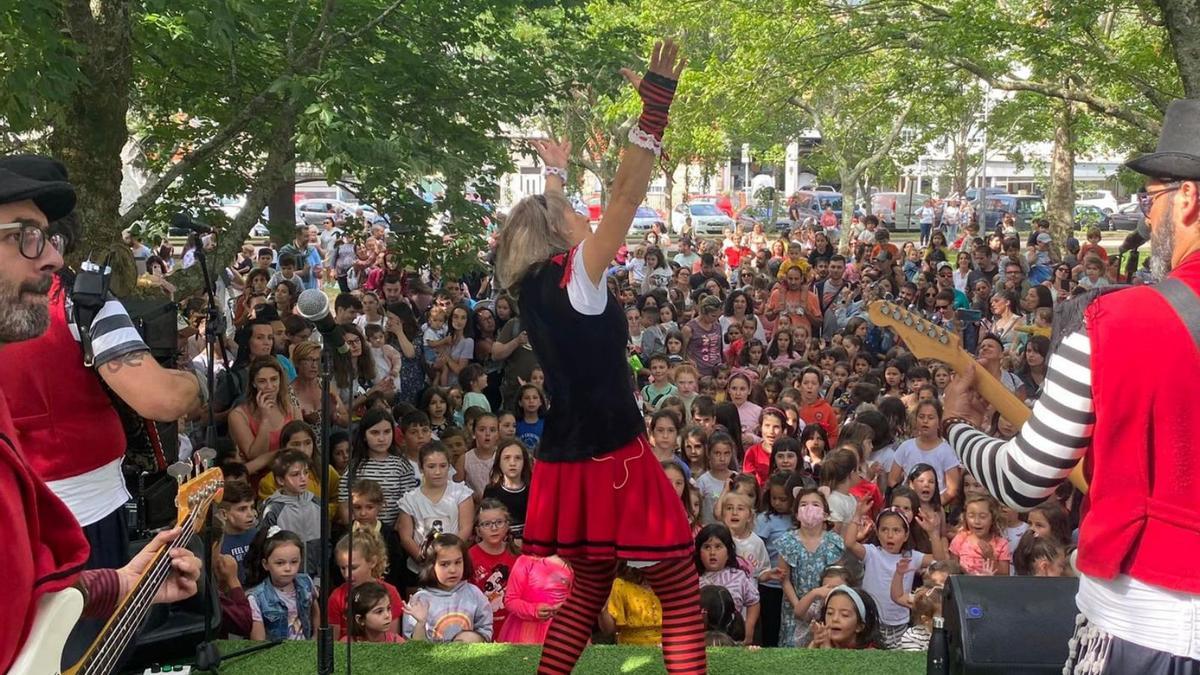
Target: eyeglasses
(1146, 199)
(943, 307)
(492, 524)
(32, 239)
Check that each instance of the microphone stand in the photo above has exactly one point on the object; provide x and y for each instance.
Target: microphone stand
(324, 634)
(213, 329)
(208, 656)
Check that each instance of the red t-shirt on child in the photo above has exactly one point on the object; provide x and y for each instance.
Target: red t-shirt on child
(337, 604)
(491, 576)
(866, 488)
(757, 462)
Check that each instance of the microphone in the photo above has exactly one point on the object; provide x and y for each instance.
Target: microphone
(183, 221)
(313, 305)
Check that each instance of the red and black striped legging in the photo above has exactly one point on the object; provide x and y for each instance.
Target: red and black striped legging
(677, 588)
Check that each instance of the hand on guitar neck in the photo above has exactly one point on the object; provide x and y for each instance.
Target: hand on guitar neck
(962, 399)
(185, 569)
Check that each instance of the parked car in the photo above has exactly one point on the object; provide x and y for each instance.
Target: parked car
(776, 222)
(1126, 217)
(812, 203)
(1024, 207)
(1101, 199)
(898, 210)
(707, 219)
(645, 218)
(1087, 215)
(315, 211)
(972, 194)
(595, 210)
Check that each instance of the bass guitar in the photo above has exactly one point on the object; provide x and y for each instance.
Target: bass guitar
(58, 612)
(927, 340)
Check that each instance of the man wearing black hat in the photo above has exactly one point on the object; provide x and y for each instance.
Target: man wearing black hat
(71, 433)
(44, 549)
(1120, 393)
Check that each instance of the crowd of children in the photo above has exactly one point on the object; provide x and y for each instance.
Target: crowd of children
(804, 442)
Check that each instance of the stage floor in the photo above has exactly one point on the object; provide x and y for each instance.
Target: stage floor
(298, 658)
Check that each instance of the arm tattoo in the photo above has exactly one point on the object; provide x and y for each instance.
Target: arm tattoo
(132, 359)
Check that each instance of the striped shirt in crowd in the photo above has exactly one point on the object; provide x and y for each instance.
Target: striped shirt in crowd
(394, 474)
(1024, 471)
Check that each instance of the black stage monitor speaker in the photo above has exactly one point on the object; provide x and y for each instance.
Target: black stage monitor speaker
(1009, 625)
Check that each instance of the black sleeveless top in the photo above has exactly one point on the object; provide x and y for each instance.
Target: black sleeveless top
(588, 379)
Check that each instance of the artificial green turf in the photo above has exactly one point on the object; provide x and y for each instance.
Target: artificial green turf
(299, 658)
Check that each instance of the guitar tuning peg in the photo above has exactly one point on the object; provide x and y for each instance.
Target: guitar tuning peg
(207, 455)
(180, 471)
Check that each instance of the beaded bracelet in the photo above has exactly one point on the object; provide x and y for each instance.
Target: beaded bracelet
(555, 171)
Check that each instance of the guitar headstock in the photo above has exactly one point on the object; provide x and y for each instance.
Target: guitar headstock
(197, 494)
(925, 339)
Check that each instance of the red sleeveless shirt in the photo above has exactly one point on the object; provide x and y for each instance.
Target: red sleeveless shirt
(1142, 513)
(65, 421)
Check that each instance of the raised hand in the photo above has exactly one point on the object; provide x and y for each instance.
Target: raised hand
(664, 61)
(419, 611)
(552, 153)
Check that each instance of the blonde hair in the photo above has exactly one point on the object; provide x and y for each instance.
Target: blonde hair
(305, 350)
(368, 545)
(535, 231)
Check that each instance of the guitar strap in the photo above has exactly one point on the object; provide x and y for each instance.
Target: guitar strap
(1068, 316)
(1186, 304)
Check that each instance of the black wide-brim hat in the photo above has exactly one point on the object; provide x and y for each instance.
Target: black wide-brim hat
(1178, 152)
(40, 179)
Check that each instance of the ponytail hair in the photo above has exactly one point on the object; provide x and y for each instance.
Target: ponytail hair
(435, 542)
(262, 546)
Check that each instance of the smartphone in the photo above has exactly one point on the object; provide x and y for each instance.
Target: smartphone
(969, 315)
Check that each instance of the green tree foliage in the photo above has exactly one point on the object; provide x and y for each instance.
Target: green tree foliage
(216, 95)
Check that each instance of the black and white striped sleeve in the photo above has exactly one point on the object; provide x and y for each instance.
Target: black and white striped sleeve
(1024, 471)
(113, 332)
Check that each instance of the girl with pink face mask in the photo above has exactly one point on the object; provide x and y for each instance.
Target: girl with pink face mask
(804, 553)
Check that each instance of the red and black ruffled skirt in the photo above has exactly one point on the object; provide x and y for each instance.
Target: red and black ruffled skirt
(619, 506)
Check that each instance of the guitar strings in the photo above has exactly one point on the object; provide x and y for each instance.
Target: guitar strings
(127, 625)
(124, 629)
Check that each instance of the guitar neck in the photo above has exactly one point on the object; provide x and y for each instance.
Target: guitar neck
(105, 652)
(993, 390)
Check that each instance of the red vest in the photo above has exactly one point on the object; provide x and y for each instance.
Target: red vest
(1142, 513)
(65, 421)
(43, 550)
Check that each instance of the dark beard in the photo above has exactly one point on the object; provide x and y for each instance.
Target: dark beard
(1162, 245)
(20, 318)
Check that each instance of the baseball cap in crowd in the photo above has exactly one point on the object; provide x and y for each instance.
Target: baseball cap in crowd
(1043, 238)
(40, 179)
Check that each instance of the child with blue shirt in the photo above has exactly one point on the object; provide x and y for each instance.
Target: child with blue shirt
(531, 420)
(237, 515)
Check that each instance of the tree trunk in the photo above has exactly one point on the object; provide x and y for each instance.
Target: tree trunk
(849, 202)
(1060, 198)
(90, 136)
(279, 164)
(282, 223)
(961, 166)
(1182, 19)
(669, 188)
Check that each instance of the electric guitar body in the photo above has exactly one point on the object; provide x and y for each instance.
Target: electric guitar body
(58, 612)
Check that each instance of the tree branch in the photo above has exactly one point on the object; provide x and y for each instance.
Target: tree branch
(885, 147)
(229, 242)
(1096, 103)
